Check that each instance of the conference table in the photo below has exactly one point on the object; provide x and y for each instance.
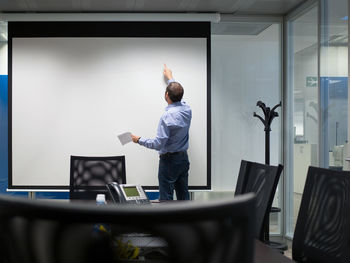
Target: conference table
(265, 254)
(262, 252)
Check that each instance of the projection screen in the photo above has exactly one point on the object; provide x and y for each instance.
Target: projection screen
(75, 86)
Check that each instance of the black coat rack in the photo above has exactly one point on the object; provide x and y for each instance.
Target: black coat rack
(269, 115)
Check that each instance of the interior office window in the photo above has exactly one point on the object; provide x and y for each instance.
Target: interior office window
(334, 83)
(303, 88)
(246, 68)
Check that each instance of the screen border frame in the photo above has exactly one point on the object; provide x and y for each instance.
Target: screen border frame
(81, 29)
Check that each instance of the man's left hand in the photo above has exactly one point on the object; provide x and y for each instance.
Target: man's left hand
(135, 138)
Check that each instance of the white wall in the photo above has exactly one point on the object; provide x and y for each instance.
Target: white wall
(3, 58)
(245, 69)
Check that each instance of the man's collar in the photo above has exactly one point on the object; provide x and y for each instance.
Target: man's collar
(174, 104)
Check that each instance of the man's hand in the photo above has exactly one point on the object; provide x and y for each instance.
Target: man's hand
(135, 138)
(167, 72)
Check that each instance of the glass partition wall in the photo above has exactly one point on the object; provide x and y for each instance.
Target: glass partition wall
(334, 83)
(316, 94)
(303, 122)
(246, 68)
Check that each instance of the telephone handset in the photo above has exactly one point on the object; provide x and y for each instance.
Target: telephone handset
(127, 193)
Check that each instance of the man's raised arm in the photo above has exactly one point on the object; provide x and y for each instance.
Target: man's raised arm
(168, 74)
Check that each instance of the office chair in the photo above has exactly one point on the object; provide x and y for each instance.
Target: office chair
(35, 231)
(89, 175)
(262, 180)
(322, 231)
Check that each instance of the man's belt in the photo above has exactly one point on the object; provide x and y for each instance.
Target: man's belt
(172, 154)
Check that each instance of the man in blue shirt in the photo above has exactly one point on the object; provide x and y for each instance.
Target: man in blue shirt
(172, 142)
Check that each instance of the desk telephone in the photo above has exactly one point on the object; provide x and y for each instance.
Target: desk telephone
(127, 193)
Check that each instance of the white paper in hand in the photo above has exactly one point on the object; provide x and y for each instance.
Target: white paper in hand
(125, 138)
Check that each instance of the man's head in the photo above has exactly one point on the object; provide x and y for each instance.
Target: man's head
(174, 92)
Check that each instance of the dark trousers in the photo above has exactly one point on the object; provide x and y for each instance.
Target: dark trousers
(173, 175)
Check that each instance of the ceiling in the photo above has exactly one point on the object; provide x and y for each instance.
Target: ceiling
(232, 7)
(260, 7)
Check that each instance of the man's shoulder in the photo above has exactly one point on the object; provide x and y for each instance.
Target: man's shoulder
(177, 114)
(184, 103)
(185, 107)
(179, 107)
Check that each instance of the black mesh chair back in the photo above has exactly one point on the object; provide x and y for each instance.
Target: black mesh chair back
(89, 175)
(45, 231)
(262, 180)
(322, 231)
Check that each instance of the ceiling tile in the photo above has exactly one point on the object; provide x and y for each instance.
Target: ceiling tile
(217, 6)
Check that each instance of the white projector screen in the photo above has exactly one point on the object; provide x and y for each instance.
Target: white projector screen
(74, 95)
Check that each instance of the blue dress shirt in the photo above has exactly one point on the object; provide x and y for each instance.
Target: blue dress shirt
(173, 127)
